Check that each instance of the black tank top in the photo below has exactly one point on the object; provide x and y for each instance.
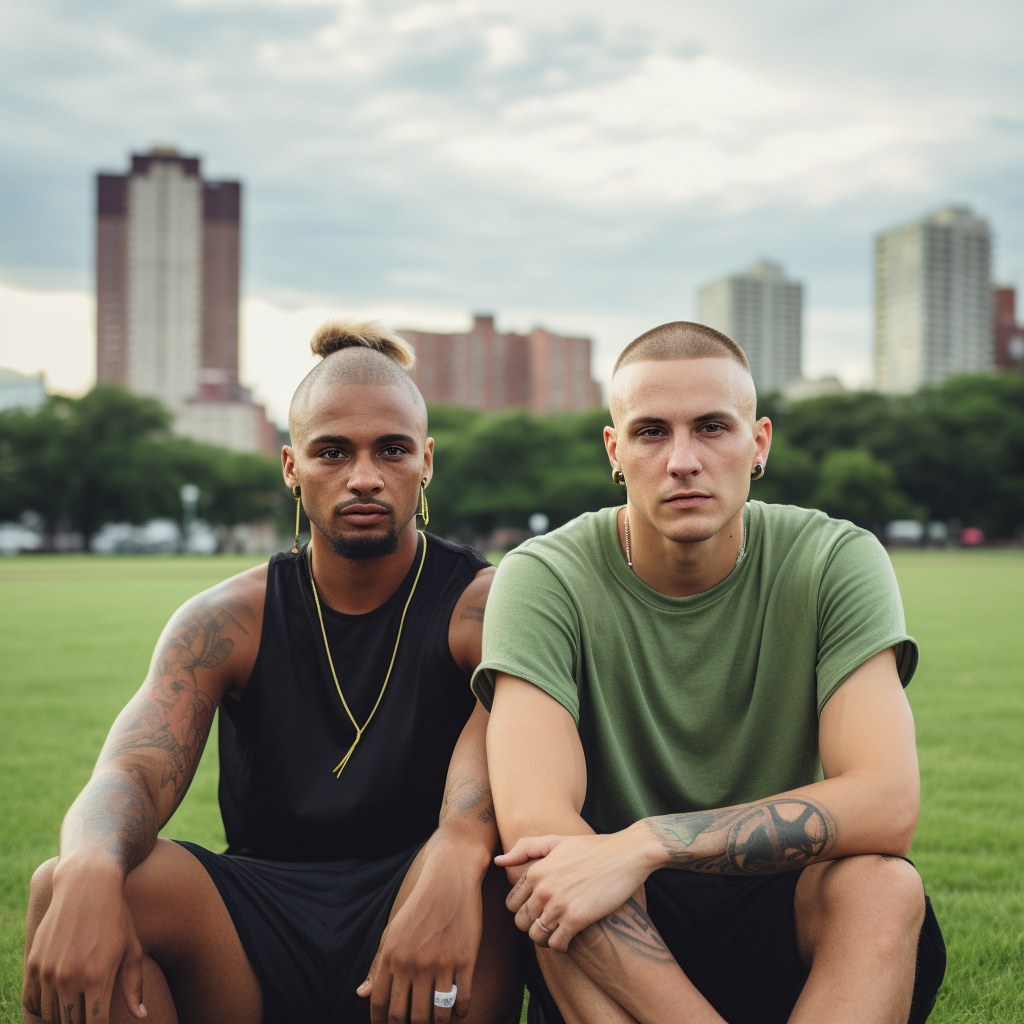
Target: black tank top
(279, 743)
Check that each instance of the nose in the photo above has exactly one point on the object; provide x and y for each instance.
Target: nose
(682, 459)
(364, 477)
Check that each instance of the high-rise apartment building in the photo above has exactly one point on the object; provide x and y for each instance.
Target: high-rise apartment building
(933, 300)
(167, 294)
(762, 311)
(1009, 335)
(484, 369)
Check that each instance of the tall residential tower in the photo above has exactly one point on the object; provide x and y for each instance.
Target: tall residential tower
(933, 300)
(167, 295)
(762, 312)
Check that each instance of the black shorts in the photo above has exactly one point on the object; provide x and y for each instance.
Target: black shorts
(735, 939)
(310, 931)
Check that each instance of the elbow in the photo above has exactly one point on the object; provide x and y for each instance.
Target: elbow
(900, 824)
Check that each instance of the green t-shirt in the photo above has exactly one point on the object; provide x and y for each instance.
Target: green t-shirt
(689, 703)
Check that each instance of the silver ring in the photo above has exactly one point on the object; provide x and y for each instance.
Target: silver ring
(445, 1000)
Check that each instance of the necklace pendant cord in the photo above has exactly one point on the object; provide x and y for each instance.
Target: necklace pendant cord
(360, 729)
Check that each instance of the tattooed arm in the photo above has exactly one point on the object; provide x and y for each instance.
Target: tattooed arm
(435, 933)
(866, 804)
(616, 968)
(142, 774)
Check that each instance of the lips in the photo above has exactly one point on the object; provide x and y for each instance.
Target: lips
(364, 515)
(694, 500)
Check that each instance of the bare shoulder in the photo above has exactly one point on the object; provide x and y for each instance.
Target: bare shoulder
(218, 630)
(465, 631)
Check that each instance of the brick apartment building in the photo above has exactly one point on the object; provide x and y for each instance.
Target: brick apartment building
(484, 369)
(167, 295)
(1009, 333)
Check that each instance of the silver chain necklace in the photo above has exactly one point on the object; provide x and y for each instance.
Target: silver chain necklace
(629, 555)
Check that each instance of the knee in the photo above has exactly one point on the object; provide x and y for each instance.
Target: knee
(40, 890)
(884, 895)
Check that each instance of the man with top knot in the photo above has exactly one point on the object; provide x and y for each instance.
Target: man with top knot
(353, 786)
(702, 757)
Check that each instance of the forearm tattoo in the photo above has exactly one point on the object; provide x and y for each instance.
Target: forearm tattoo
(628, 932)
(468, 793)
(780, 834)
(154, 748)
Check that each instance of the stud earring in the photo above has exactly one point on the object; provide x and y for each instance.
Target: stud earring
(758, 471)
(619, 477)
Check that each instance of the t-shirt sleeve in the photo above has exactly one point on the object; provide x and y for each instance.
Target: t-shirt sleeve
(531, 630)
(859, 613)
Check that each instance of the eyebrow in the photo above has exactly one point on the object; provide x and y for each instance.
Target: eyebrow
(340, 439)
(659, 421)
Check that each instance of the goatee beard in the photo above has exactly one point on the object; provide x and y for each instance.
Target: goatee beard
(361, 549)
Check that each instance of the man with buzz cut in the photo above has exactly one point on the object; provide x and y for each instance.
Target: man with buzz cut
(702, 758)
(353, 787)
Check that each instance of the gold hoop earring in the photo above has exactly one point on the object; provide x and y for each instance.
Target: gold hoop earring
(297, 491)
(424, 512)
(758, 471)
(619, 477)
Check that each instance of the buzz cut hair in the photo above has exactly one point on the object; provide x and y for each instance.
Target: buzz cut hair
(681, 339)
(356, 352)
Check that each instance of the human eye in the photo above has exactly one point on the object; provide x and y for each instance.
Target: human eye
(394, 451)
(332, 454)
(650, 432)
(712, 428)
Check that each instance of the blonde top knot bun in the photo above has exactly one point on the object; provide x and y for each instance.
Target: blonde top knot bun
(334, 335)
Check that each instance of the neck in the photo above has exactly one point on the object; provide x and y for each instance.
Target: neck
(680, 568)
(354, 588)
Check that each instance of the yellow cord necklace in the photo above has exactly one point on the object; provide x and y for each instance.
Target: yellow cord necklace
(360, 729)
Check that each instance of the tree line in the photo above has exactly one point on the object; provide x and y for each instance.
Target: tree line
(953, 452)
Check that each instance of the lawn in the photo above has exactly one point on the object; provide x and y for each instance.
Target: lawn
(77, 633)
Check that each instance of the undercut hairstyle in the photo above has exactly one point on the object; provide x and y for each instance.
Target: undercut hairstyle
(356, 352)
(681, 339)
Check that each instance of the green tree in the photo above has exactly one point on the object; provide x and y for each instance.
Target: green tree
(854, 485)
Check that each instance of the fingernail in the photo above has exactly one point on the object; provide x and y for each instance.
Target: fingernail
(142, 1009)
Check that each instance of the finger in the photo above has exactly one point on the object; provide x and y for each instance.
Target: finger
(442, 983)
(464, 979)
(48, 1003)
(398, 1006)
(366, 988)
(30, 991)
(131, 976)
(380, 997)
(541, 933)
(526, 849)
(97, 1003)
(421, 1000)
(519, 893)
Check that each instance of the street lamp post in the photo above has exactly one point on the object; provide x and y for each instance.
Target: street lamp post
(189, 500)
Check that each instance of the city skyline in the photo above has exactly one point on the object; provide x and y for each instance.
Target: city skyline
(585, 166)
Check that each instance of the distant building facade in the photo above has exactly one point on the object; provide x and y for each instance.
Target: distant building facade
(933, 300)
(762, 311)
(168, 270)
(21, 390)
(1009, 335)
(485, 369)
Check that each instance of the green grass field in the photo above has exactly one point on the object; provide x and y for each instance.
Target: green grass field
(76, 634)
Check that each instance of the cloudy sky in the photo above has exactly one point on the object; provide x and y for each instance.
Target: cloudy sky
(586, 165)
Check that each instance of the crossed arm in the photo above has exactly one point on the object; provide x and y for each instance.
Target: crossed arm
(582, 893)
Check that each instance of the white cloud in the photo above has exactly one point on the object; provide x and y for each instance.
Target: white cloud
(52, 332)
